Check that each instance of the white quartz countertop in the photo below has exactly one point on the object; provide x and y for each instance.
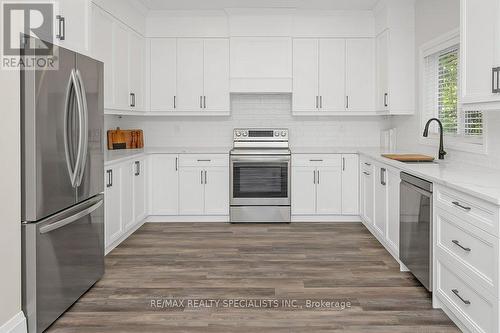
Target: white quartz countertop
(471, 179)
(117, 156)
(475, 180)
(324, 150)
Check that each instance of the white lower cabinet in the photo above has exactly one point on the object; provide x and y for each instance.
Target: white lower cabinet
(380, 202)
(367, 193)
(320, 182)
(164, 184)
(204, 188)
(125, 199)
(113, 204)
(466, 259)
(191, 191)
(189, 184)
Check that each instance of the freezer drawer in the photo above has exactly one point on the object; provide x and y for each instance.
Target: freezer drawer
(63, 256)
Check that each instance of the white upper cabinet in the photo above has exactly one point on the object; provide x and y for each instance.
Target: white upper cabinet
(71, 25)
(102, 49)
(200, 69)
(121, 66)
(395, 31)
(163, 74)
(480, 53)
(305, 74)
(136, 64)
(382, 94)
(190, 74)
(332, 74)
(216, 75)
(360, 81)
(123, 52)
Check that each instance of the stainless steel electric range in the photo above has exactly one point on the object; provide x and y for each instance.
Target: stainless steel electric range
(260, 176)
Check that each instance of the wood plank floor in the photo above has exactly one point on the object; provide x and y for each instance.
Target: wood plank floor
(217, 261)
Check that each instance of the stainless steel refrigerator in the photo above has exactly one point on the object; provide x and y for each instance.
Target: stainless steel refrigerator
(62, 184)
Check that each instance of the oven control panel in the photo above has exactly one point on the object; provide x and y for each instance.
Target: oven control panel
(260, 134)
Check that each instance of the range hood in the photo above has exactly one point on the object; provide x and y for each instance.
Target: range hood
(261, 65)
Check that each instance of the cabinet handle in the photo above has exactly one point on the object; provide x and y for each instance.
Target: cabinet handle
(315, 160)
(382, 176)
(320, 102)
(318, 176)
(204, 160)
(137, 168)
(368, 164)
(132, 99)
(495, 80)
(108, 181)
(201, 177)
(201, 102)
(456, 203)
(457, 243)
(317, 102)
(176, 164)
(343, 163)
(175, 104)
(314, 176)
(62, 28)
(366, 173)
(385, 99)
(347, 102)
(204, 102)
(455, 291)
(205, 176)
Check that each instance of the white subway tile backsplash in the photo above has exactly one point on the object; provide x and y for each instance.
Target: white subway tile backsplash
(256, 110)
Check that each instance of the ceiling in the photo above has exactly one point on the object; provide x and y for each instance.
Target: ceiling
(221, 4)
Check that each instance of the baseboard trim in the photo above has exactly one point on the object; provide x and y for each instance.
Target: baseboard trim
(195, 218)
(124, 236)
(16, 324)
(326, 218)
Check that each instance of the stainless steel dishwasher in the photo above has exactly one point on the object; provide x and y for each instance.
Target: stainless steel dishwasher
(415, 227)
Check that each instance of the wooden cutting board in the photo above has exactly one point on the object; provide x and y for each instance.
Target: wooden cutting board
(409, 157)
(125, 139)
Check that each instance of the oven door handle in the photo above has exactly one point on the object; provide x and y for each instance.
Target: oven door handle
(261, 159)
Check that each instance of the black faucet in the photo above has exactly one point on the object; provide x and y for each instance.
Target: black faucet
(426, 134)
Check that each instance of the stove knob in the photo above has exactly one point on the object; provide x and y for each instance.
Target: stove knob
(245, 134)
(238, 133)
(276, 133)
(283, 133)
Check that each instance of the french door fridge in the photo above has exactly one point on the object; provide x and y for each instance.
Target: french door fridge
(62, 184)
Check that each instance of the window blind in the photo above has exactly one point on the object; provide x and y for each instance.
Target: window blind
(441, 95)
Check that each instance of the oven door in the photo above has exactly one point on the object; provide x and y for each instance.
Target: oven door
(260, 180)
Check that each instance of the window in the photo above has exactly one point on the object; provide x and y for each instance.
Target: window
(441, 97)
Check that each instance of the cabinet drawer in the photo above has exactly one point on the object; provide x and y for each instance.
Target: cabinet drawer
(203, 160)
(474, 307)
(325, 160)
(474, 250)
(477, 212)
(366, 165)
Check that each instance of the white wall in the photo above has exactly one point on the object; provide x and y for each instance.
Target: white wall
(433, 19)
(10, 197)
(256, 110)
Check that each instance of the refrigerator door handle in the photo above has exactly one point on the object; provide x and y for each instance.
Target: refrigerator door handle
(70, 93)
(70, 219)
(84, 136)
